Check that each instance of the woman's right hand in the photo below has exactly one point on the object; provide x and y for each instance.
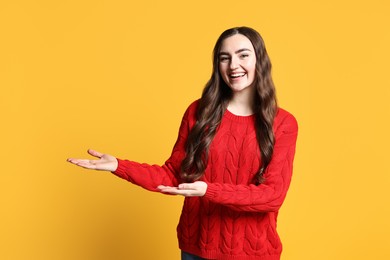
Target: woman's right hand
(105, 162)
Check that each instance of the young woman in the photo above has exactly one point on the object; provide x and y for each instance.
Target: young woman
(232, 160)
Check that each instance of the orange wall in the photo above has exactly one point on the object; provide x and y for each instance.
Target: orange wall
(117, 76)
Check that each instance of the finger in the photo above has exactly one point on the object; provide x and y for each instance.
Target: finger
(187, 186)
(89, 164)
(76, 161)
(186, 193)
(86, 165)
(167, 189)
(95, 153)
(73, 160)
(174, 191)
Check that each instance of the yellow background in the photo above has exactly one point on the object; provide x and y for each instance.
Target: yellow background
(117, 76)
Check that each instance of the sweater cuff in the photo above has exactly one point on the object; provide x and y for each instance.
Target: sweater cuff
(212, 191)
(121, 169)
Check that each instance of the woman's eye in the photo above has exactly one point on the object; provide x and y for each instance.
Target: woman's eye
(243, 56)
(223, 59)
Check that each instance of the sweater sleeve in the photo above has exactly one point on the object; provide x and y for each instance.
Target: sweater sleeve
(150, 176)
(269, 195)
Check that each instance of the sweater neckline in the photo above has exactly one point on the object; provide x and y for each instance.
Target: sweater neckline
(237, 118)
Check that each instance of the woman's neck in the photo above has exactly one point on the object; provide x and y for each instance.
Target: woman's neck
(242, 103)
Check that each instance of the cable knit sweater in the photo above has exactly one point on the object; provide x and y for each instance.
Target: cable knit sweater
(235, 219)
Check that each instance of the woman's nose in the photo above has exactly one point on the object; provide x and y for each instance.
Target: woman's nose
(234, 63)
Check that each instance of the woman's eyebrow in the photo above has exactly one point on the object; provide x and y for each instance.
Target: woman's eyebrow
(238, 51)
(223, 53)
(241, 50)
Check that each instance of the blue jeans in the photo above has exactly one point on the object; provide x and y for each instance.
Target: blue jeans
(188, 256)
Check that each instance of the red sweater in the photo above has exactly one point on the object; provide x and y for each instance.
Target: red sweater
(235, 219)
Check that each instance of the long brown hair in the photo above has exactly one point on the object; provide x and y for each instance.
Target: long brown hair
(214, 101)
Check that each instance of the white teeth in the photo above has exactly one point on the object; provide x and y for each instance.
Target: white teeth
(236, 75)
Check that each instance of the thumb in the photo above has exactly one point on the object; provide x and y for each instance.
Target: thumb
(95, 153)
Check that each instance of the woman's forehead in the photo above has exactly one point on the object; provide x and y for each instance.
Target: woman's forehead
(236, 42)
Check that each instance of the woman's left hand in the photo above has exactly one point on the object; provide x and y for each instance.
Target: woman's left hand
(197, 188)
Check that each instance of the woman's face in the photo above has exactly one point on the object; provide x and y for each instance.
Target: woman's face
(237, 62)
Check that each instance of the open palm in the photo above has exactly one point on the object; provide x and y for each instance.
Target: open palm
(105, 162)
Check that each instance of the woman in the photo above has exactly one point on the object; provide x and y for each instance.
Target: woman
(232, 160)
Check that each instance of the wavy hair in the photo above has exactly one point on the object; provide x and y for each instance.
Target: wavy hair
(214, 102)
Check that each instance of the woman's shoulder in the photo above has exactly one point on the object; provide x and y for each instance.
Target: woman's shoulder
(286, 119)
(194, 105)
(191, 109)
(190, 112)
(282, 113)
